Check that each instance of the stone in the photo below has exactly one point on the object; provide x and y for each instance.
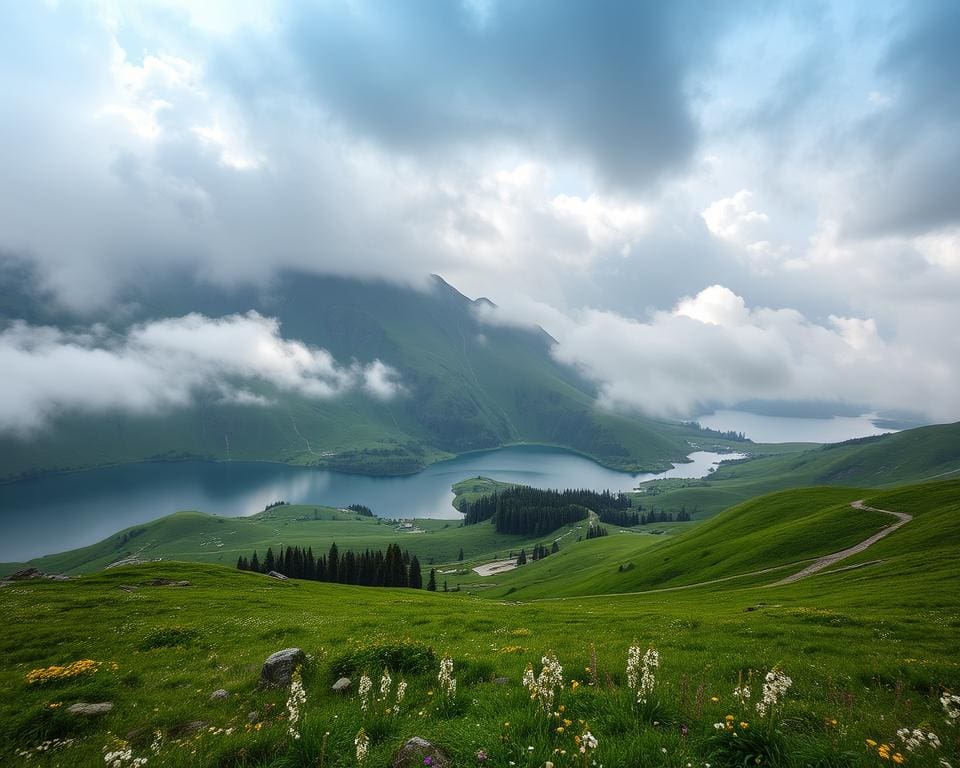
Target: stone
(342, 685)
(167, 583)
(278, 669)
(128, 587)
(219, 695)
(253, 717)
(418, 752)
(25, 574)
(501, 681)
(276, 575)
(83, 709)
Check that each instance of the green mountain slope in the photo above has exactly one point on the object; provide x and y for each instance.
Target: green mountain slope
(470, 385)
(757, 542)
(914, 455)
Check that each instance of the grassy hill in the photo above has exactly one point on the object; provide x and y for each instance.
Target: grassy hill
(471, 385)
(206, 538)
(915, 455)
(869, 651)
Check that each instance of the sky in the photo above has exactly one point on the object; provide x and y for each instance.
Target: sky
(704, 203)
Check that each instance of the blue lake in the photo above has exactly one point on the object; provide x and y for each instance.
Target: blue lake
(54, 513)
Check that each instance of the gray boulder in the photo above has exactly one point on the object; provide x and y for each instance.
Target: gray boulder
(82, 709)
(342, 685)
(219, 695)
(276, 575)
(278, 669)
(413, 754)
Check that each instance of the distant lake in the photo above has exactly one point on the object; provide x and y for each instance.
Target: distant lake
(54, 513)
(788, 429)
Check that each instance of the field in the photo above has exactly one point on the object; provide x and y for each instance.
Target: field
(869, 650)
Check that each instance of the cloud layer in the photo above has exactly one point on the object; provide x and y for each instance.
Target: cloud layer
(166, 364)
(578, 166)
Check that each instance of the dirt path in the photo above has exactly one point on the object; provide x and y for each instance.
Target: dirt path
(825, 562)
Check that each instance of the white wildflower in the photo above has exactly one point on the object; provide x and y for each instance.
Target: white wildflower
(543, 686)
(633, 667)
(648, 674)
(951, 707)
(362, 743)
(401, 692)
(448, 683)
(386, 683)
(295, 701)
(363, 691)
(915, 739)
(775, 685)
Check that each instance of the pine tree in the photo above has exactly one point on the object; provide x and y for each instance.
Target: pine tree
(460, 556)
(269, 562)
(240, 563)
(333, 563)
(555, 548)
(432, 583)
(255, 562)
(416, 576)
(522, 559)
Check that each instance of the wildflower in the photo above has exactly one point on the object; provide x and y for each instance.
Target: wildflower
(951, 706)
(362, 743)
(386, 683)
(401, 692)
(448, 683)
(650, 664)
(743, 692)
(916, 738)
(73, 669)
(543, 687)
(714, 699)
(481, 755)
(775, 685)
(295, 702)
(633, 667)
(366, 685)
(428, 760)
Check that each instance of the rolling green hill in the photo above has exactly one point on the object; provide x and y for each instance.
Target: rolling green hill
(206, 538)
(470, 385)
(914, 455)
(868, 651)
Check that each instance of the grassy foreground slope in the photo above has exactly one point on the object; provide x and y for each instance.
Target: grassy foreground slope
(869, 651)
(911, 456)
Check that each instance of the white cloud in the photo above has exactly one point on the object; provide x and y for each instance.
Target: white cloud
(164, 364)
(733, 219)
(714, 350)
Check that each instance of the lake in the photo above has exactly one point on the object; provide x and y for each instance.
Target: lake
(790, 429)
(54, 513)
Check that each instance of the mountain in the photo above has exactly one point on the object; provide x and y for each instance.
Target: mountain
(470, 385)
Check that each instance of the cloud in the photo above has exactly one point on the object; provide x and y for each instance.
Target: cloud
(166, 364)
(712, 350)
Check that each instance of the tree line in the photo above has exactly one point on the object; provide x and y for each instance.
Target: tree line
(370, 568)
(535, 511)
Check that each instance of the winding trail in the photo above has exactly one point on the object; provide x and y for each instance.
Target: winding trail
(815, 567)
(825, 562)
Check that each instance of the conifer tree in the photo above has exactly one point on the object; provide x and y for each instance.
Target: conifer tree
(432, 583)
(269, 561)
(415, 580)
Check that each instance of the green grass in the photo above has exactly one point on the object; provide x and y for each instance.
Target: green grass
(870, 648)
(201, 537)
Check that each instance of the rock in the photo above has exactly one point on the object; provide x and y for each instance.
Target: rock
(501, 681)
(25, 574)
(276, 575)
(253, 717)
(418, 752)
(128, 587)
(219, 695)
(278, 669)
(90, 710)
(342, 685)
(166, 583)
(180, 730)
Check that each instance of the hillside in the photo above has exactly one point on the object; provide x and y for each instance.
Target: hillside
(206, 538)
(470, 385)
(911, 456)
(868, 651)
